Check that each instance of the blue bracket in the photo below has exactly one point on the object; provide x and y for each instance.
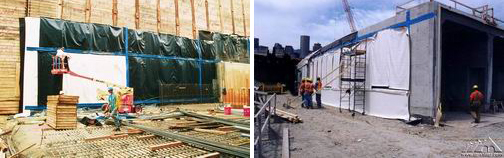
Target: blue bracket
(126, 52)
(200, 81)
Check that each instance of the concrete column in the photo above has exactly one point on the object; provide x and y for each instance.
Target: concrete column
(490, 49)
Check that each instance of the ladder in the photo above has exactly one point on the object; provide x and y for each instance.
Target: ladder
(353, 79)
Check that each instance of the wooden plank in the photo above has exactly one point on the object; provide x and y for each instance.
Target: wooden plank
(97, 138)
(210, 155)
(168, 24)
(207, 16)
(177, 19)
(285, 143)
(165, 145)
(211, 131)
(193, 19)
(119, 136)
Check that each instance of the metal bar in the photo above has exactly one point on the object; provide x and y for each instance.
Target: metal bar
(223, 121)
(263, 106)
(228, 149)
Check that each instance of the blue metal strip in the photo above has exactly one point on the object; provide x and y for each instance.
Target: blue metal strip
(408, 22)
(408, 18)
(127, 55)
(198, 49)
(130, 54)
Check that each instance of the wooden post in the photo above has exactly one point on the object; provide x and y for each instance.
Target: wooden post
(220, 16)
(88, 11)
(207, 16)
(193, 20)
(28, 8)
(137, 14)
(61, 6)
(232, 16)
(158, 10)
(114, 12)
(177, 22)
(244, 21)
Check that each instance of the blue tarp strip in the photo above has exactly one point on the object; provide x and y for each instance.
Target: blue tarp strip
(408, 22)
(130, 53)
(127, 55)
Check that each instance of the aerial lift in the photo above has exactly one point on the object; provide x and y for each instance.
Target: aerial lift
(125, 94)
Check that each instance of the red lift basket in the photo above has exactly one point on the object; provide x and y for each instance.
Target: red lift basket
(59, 65)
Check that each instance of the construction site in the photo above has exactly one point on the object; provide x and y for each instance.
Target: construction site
(125, 78)
(397, 88)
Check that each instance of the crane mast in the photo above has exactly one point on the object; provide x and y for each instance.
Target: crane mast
(349, 14)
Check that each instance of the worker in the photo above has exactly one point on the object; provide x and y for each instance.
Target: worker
(301, 91)
(113, 108)
(476, 99)
(318, 92)
(308, 91)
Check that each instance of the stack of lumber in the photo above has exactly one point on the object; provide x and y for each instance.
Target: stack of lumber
(62, 111)
(288, 116)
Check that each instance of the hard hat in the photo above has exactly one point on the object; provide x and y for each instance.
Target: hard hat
(309, 80)
(110, 89)
(475, 87)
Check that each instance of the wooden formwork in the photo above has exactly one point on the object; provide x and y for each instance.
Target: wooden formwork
(235, 79)
(163, 16)
(62, 111)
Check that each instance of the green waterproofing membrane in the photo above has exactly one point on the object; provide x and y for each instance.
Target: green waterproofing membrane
(48, 83)
(154, 58)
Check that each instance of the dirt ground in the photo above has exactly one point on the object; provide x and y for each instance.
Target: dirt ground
(328, 133)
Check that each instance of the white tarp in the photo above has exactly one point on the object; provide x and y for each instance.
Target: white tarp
(388, 63)
(389, 56)
(102, 67)
(30, 73)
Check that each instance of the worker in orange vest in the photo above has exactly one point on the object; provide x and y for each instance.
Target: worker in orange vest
(301, 91)
(318, 92)
(308, 92)
(476, 99)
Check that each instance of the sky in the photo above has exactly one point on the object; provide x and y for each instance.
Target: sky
(283, 21)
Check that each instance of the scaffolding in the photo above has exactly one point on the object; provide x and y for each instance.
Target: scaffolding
(353, 78)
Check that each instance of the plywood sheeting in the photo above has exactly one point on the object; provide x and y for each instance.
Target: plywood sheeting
(167, 16)
(227, 20)
(74, 10)
(200, 15)
(148, 15)
(101, 12)
(44, 8)
(213, 14)
(62, 111)
(11, 11)
(185, 17)
(126, 13)
(238, 17)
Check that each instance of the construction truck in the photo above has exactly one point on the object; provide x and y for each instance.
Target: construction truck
(125, 104)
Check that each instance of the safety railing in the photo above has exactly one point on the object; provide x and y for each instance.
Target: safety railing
(267, 108)
(484, 12)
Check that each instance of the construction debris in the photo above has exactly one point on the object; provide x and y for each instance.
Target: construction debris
(288, 116)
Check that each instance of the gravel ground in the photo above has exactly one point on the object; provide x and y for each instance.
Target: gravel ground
(328, 133)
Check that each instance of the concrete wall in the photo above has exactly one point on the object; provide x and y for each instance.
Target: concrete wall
(422, 54)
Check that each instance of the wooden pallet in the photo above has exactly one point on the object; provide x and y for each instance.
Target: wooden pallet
(62, 111)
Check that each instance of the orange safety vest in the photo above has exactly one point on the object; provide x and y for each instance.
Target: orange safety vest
(319, 85)
(308, 88)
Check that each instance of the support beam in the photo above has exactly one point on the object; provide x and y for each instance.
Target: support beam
(244, 21)
(220, 147)
(61, 8)
(232, 17)
(220, 16)
(88, 11)
(207, 16)
(177, 21)
(193, 16)
(114, 12)
(137, 14)
(490, 52)
(158, 15)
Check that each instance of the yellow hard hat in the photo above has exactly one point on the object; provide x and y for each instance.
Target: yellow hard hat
(475, 87)
(309, 79)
